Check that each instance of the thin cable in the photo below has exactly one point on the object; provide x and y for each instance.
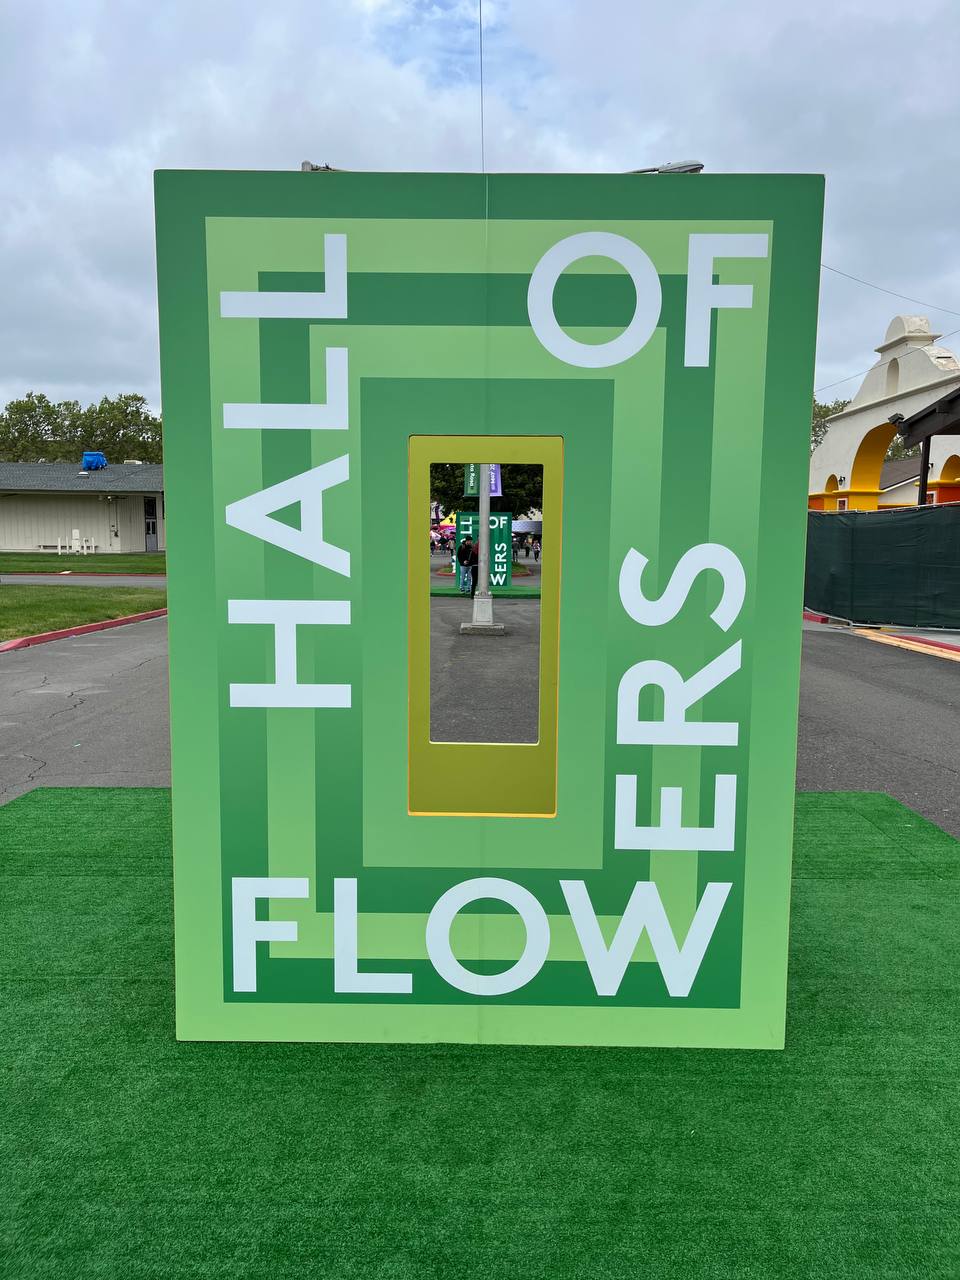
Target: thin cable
(483, 159)
(879, 365)
(892, 292)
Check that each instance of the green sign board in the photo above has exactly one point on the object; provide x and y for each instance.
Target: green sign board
(501, 547)
(649, 342)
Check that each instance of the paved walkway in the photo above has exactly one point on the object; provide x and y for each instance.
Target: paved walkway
(82, 580)
(878, 718)
(484, 688)
(92, 711)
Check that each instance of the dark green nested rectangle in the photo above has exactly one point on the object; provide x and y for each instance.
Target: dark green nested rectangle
(426, 298)
(565, 983)
(681, 197)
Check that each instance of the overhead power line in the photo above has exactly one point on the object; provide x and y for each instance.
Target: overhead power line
(929, 306)
(879, 365)
(892, 292)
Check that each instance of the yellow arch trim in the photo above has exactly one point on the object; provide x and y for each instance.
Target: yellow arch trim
(865, 474)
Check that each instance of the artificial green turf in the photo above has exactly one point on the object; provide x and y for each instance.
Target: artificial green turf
(126, 1154)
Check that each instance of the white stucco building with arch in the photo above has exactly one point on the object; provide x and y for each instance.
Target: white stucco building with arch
(911, 374)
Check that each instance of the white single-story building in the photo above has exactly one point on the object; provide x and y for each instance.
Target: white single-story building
(49, 505)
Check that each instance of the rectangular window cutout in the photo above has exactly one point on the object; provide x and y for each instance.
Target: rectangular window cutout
(485, 692)
(483, 708)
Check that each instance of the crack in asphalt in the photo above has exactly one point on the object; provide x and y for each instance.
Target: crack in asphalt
(74, 707)
(41, 765)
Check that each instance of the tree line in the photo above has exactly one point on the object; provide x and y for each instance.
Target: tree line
(522, 486)
(36, 429)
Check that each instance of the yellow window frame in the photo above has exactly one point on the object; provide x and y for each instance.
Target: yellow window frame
(493, 779)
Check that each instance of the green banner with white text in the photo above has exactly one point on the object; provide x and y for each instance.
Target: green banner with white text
(501, 546)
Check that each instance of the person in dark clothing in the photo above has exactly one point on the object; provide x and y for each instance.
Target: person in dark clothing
(474, 568)
(465, 550)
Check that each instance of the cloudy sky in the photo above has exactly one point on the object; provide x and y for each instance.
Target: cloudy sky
(95, 95)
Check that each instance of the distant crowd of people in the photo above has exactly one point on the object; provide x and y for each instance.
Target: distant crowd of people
(468, 558)
(523, 544)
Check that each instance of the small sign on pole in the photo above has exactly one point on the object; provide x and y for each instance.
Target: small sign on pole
(471, 480)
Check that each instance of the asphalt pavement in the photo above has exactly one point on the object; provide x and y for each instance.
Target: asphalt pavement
(89, 711)
(484, 688)
(92, 710)
(876, 718)
(82, 580)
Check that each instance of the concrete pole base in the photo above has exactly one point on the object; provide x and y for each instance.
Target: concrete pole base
(482, 607)
(482, 629)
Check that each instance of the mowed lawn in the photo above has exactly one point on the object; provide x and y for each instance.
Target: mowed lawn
(126, 1154)
(39, 562)
(30, 610)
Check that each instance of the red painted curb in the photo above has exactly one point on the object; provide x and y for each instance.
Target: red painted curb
(814, 617)
(935, 644)
(26, 641)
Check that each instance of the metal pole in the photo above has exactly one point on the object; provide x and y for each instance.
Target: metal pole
(924, 471)
(483, 600)
(482, 622)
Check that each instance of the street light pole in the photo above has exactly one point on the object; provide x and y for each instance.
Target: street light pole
(483, 600)
(482, 622)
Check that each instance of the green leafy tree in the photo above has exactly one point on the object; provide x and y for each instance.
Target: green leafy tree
(522, 486)
(123, 427)
(897, 449)
(34, 429)
(30, 429)
(821, 412)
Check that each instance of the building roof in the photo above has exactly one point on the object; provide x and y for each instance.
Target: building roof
(898, 471)
(67, 477)
(940, 418)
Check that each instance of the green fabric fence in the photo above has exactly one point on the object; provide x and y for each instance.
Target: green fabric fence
(898, 567)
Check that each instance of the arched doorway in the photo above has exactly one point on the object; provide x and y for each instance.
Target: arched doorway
(826, 499)
(864, 484)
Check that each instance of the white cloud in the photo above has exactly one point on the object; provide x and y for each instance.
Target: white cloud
(96, 96)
